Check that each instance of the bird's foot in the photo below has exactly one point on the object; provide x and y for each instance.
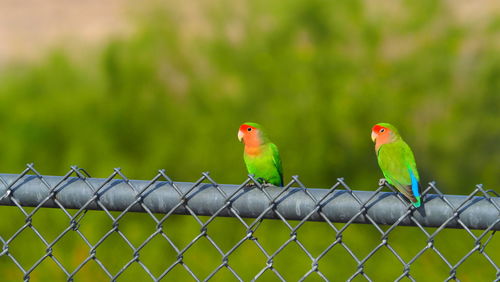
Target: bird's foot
(258, 182)
(265, 185)
(382, 181)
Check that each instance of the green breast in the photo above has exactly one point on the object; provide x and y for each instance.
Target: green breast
(264, 166)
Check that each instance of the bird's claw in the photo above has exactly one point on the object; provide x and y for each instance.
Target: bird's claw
(259, 182)
(382, 181)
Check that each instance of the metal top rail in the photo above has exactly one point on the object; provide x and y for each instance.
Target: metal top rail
(339, 204)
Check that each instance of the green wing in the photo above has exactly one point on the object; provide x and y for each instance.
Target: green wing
(396, 160)
(277, 162)
(409, 160)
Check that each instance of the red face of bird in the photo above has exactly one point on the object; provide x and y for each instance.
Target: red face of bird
(382, 134)
(249, 134)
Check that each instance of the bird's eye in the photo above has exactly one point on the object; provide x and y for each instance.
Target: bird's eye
(249, 129)
(382, 130)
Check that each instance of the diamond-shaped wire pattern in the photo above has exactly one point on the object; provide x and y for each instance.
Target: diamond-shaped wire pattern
(116, 227)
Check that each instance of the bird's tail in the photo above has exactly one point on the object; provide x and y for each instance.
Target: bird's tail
(407, 191)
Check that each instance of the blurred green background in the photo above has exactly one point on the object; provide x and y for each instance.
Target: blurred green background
(317, 74)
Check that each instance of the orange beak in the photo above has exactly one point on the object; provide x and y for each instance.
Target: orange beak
(374, 136)
(240, 135)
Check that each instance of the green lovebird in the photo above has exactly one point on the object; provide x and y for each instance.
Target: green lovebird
(396, 161)
(261, 156)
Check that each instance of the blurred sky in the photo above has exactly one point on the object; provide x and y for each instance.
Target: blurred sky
(29, 27)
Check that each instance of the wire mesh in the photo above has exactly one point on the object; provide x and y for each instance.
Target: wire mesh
(312, 233)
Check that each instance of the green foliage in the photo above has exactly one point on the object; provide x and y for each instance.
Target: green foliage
(316, 74)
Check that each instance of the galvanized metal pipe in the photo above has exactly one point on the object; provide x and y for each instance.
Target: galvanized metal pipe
(294, 204)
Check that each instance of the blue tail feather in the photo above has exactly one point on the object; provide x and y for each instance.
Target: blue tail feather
(414, 188)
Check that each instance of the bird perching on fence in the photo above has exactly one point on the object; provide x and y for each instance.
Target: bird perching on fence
(396, 161)
(261, 156)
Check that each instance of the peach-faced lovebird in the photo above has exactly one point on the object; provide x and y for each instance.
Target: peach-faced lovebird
(396, 161)
(261, 155)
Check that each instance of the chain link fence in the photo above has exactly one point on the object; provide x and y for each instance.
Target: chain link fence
(75, 227)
